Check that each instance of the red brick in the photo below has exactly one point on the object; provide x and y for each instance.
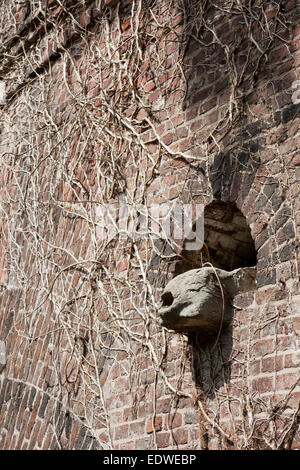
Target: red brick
(263, 347)
(163, 405)
(180, 436)
(202, 94)
(34, 435)
(182, 132)
(123, 266)
(272, 364)
(198, 124)
(174, 420)
(291, 360)
(290, 4)
(185, 145)
(177, 120)
(85, 19)
(154, 424)
(121, 432)
(192, 113)
(208, 105)
(163, 440)
(254, 367)
(263, 384)
(274, 361)
(111, 3)
(169, 138)
(154, 95)
(125, 24)
(150, 86)
(127, 446)
(137, 428)
(211, 117)
(285, 381)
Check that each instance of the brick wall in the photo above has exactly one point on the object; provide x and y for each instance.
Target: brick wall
(146, 104)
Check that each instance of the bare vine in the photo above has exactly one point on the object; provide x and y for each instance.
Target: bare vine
(88, 88)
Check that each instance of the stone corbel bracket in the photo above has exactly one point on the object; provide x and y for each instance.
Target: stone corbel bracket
(201, 299)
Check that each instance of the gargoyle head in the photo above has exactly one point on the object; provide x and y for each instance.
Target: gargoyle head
(201, 299)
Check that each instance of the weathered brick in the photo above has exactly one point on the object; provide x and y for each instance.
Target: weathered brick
(291, 360)
(285, 381)
(266, 277)
(162, 440)
(154, 424)
(180, 436)
(43, 406)
(250, 161)
(174, 420)
(136, 428)
(264, 346)
(262, 384)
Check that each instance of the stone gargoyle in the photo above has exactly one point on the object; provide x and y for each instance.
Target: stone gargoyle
(201, 299)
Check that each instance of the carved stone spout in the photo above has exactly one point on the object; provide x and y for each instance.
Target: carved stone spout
(201, 299)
